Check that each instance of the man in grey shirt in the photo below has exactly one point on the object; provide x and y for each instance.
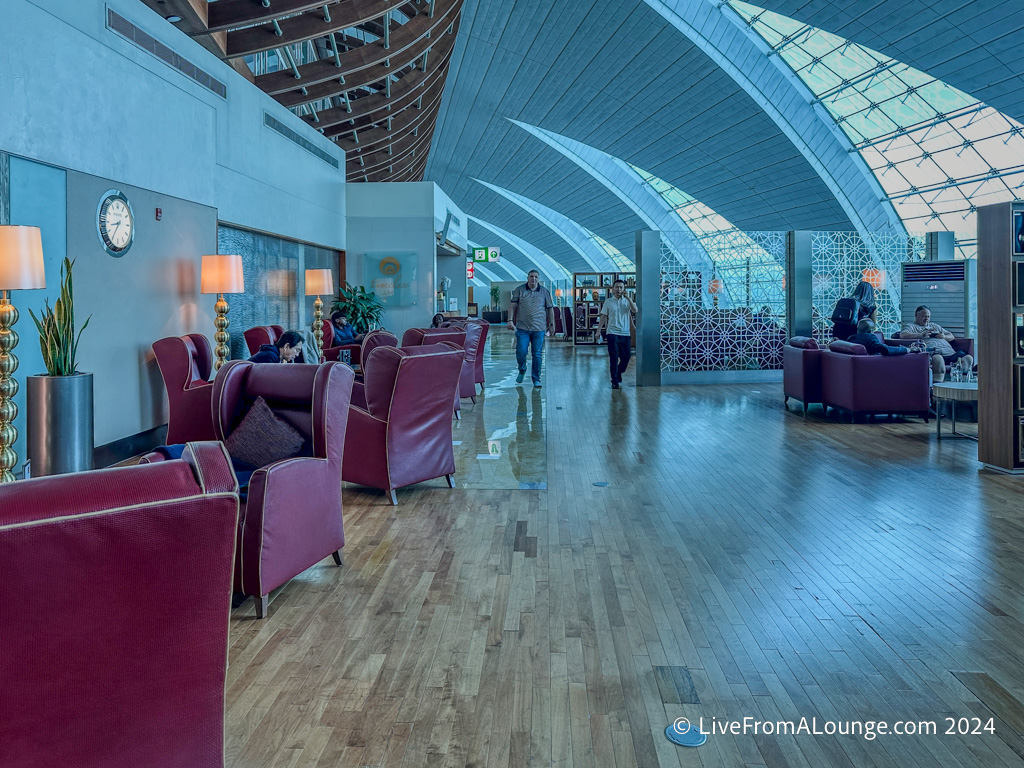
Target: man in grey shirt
(936, 342)
(532, 319)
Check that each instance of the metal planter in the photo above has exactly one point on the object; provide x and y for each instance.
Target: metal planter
(59, 423)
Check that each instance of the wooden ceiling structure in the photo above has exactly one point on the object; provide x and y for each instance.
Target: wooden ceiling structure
(369, 76)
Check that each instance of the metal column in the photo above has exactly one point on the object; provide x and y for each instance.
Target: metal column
(648, 303)
(799, 284)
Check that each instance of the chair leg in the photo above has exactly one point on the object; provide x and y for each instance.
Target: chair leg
(338, 559)
(458, 414)
(786, 401)
(472, 399)
(262, 601)
(394, 497)
(807, 407)
(451, 480)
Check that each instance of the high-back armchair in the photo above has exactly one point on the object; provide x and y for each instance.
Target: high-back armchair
(801, 371)
(478, 362)
(292, 517)
(185, 364)
(359, 352)
(415, 337)
(117, 588)
(260, 335)
(404, 434)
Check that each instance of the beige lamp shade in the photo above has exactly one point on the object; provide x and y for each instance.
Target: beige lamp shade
(222, 274)
(319, 282)
(21, 259)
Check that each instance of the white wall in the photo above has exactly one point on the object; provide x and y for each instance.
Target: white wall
(79, 96)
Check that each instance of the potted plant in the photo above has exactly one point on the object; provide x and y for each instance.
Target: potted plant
(493, 314)
(364, 309)
(59, 402)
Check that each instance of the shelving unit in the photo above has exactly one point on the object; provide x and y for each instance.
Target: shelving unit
(1001, 336)
(589, 291)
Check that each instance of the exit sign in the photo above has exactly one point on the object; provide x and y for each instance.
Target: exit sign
(470, 270)
(487, 255)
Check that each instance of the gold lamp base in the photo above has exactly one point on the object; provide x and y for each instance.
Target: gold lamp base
(8, 388)
(318, 328)
(222, 337)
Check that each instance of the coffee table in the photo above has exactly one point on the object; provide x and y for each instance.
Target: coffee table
(954, 392)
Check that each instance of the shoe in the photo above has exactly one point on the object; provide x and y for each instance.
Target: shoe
(615, 385)
(519, 378)
(536, 383)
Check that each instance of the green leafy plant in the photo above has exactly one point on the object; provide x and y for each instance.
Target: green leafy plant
(495, 296)
(363, 307)
(57, 338)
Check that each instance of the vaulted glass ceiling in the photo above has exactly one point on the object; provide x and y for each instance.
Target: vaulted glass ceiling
(937, 152)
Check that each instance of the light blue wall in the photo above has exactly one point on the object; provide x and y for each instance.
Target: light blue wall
(79, 96)
(38, 195)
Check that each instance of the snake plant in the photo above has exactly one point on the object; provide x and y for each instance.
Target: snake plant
(57, 338)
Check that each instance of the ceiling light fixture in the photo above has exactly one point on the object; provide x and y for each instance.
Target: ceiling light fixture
(174, 19)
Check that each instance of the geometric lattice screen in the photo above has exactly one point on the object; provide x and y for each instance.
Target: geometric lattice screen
(840, 260)
(732, 320)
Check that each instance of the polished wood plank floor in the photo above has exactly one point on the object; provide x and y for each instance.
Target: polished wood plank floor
(741, 562)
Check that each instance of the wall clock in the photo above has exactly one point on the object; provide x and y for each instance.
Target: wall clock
(115, 222)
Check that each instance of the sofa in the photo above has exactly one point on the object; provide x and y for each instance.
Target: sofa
(859, 383)
(117, 590)
(965, 345)
(801, 371)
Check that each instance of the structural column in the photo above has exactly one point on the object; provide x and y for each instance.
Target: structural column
(648, 302)
(799, 285)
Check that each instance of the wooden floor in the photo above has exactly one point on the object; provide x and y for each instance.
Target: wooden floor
(742, 562)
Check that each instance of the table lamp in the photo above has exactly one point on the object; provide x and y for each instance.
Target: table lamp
(21, 269)
(319, 282)
(221, 274)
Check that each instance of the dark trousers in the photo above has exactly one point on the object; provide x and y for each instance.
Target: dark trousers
(618, 356)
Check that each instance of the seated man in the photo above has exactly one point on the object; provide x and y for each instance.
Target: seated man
(344, 333)
(866, 337)
(936, 343)
(284, 350)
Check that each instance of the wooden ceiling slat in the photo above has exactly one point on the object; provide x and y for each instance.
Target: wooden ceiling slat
(193, 22)
(404, 37)
(308, 26)
(399, 150)
(357, 79)
(404, 122)
(226, 14)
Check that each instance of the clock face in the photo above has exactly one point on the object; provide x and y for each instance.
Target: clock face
(116, 224)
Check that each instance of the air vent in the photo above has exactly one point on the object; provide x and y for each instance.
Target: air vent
(272, 122)
(932, 271)
(148, 43)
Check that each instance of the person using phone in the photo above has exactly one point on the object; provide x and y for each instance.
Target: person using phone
(936, 343)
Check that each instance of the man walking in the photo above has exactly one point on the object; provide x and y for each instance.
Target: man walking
(615, 314)
(532, 319)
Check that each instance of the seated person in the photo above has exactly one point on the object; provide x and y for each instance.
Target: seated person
(344, 332)
(284, 350)
(866, 337)
(936, 343)
(437, 321)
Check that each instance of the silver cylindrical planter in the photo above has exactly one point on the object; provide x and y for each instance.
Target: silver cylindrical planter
(59, 423)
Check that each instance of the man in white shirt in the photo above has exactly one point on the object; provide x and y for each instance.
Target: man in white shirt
(616, 313)
(936, 342)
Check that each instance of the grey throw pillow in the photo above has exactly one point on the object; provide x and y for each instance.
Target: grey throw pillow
(261, 438)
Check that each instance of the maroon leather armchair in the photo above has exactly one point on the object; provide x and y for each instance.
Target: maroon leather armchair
(359, 352)
(185, 364)
(965, 345)
(403, 435)
(478, 363)
(415, 337)
(801, 371)
(117, 588)
(292, 518)
(262, 334)
(860, 383)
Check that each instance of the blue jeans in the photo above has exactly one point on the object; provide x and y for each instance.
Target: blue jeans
(525, 339)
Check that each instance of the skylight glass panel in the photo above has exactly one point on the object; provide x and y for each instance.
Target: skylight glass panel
(937, 152)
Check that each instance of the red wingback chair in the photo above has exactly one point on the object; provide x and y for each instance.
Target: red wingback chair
(567, 319)
(185, 364)
(860, 383)
(415, 337)
(559, 321)
(292, 518)
(333, 353)
(262, 334)
(117, 588)
(404, 434)
(801, 371)
(478, 366)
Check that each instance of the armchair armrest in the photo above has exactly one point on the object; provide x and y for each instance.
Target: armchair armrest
(292, 516)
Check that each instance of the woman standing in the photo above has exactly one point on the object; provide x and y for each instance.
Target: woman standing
(849, 312)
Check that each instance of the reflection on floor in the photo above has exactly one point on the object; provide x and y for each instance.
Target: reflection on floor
(500, 441)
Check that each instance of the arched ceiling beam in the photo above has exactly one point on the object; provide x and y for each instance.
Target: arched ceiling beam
(407, 122)
(306, 26)
(575, 236)
(361, 77)
(546, 265)
(627, 185)
(719, 32)
(405, 37)
(374, 161)
(402, 169)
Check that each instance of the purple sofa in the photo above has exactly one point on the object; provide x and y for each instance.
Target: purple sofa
(965, 345)
(801, 371)
(860, 383)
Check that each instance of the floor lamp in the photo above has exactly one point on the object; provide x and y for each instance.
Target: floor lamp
(221, 274)
(21, 269)
(318, 283)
